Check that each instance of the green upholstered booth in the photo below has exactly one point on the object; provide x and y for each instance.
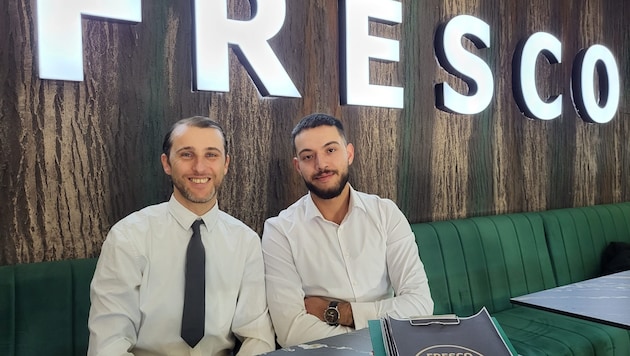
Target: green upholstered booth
(484, 261)
(44, 308)
(470, 263)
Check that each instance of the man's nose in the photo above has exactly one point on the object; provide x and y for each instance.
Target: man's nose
(320, 163)
(199, 165)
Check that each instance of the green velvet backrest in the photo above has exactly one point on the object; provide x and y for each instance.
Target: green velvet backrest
(483, 261)
(577, 237)
(44, 308)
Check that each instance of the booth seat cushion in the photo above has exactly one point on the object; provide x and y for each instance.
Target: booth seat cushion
(578, 236)
(44, 307)
(534, 332)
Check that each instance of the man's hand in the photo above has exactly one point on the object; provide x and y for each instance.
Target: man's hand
(317, 306)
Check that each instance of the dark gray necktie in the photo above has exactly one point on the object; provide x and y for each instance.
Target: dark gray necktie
(194, 313)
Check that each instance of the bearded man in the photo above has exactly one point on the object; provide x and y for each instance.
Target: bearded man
(337, 257)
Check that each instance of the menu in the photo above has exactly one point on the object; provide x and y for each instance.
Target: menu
(478, 335)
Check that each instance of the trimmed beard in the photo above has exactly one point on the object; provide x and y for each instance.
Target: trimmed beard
(328, 193)
(187, 194)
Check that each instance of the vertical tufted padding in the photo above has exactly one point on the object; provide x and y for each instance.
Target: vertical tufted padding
(46, 308)
(577, 237)
(483, 261)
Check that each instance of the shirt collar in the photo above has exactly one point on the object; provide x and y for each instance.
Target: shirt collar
(185, 217)
(312, 212)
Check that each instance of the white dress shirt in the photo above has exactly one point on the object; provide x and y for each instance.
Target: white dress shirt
(370, 260)
(137, 292)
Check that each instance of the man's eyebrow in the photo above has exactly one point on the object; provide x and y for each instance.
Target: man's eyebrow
(183, 148)
(305, 150)
(211, 148)
(325, 145)
(332, 143)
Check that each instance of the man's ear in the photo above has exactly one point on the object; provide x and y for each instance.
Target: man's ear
(350, 150)
(227, 164)
(296, 165)
(165, 164)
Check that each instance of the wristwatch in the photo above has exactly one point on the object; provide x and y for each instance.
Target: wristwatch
(331, 315)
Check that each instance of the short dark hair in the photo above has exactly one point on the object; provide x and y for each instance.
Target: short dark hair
(315, 120)
(194, 121)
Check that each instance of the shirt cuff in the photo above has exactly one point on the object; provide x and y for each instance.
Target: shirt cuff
(361, 313)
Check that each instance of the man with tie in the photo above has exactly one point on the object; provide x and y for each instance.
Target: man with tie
(182, 277)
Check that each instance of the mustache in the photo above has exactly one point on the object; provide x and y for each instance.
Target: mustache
(326, 171)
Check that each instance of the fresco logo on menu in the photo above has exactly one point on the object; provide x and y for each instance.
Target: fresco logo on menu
(448, 350)
(595, 86)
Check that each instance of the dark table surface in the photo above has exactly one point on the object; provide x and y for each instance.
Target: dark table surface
(603, 299)
(352, 344)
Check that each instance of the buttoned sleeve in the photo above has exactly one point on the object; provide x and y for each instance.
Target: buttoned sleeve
(285, 295)
(412, 296)
(114, 313)
(251, 324)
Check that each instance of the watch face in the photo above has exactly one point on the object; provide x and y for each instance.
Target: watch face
(331, 315)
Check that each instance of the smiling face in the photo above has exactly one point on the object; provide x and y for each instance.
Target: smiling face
(323, 159)
(197, 164)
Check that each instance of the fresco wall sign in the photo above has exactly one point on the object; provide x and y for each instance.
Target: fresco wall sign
(595, 84)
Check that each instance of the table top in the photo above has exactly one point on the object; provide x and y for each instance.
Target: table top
(351, 344)
(603, 299)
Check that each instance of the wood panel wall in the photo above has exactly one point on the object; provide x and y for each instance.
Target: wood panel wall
(78, 156)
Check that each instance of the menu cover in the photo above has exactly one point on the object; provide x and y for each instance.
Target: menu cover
(476, 335)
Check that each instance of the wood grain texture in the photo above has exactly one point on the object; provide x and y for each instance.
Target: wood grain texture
(78, 156)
